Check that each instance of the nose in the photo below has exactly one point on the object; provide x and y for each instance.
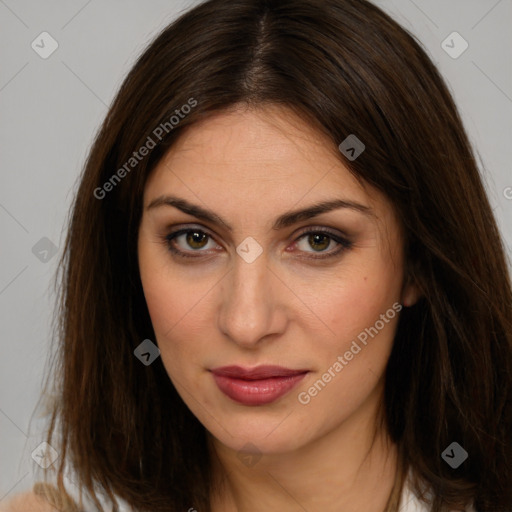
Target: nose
(252, 305)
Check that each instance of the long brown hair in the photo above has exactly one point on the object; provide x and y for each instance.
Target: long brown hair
(347, 68)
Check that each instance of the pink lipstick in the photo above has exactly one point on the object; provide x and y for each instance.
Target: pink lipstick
(256, 386)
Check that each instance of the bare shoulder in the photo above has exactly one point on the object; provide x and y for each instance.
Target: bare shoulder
(27, 502)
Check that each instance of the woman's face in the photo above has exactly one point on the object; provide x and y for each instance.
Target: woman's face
(255, 282)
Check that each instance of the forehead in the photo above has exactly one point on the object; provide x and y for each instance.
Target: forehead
(251, 151)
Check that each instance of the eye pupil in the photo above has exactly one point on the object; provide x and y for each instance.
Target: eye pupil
(194, 237)
(313, 240)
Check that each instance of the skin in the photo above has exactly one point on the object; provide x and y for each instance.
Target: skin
(249, 166)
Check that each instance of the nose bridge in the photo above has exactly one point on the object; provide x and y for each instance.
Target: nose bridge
(250, 278)
(248, 302)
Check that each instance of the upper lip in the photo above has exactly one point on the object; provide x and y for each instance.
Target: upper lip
(256, 373)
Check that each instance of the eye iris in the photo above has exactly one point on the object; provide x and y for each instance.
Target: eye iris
(194, 237)
(313, 239)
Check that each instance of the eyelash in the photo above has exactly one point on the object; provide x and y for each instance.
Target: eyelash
(343, 243)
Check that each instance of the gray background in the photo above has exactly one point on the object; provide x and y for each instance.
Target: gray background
(50, 109)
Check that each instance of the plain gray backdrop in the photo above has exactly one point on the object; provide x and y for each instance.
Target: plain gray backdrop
(51, 108)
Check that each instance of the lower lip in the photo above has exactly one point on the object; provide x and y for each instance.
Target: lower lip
(256, 392)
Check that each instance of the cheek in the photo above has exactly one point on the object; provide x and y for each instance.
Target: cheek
(165, 297)
(176, 302)
(359, 299)
(350, 359)
(168, 309)
(361, 311)
(169, 304)
(159, 296)
(165, 293)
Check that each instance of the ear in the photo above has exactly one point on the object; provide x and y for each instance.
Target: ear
(410, 294)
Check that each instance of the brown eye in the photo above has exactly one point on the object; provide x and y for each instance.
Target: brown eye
(320, 240)
(186, 242)
(196, 239)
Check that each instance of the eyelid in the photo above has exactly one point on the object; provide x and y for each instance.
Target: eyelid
(180, 230)
(334, 231)
(322, 229)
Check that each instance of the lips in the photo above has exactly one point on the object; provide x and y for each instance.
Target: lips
(256, 386)
(258, 373)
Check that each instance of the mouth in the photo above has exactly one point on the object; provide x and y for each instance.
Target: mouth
(256, 386)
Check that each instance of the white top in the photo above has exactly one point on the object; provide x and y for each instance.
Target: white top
(409, 502)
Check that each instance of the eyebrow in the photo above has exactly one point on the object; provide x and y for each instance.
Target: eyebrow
(283, 221)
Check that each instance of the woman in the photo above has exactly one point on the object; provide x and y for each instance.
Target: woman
(284, 288)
